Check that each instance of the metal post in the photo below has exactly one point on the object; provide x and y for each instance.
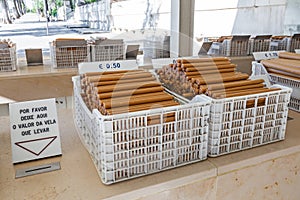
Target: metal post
(65, 11)
(47, 15)
(182, 27)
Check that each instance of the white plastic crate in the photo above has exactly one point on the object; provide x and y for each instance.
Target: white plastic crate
(130, 145)
(259, 43)
(259, 72)
(295, 42)
(258, 69)
(69, 56)
(215, 48)
(237, 46)
(234, 125)
(107, 52)
(84, 120)
(205, 47)
(294, 104)
(280, 45)
(292, 83)
(8, 59)
(153, 49)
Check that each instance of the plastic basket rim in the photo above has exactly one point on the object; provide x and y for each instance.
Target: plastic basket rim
(205, 102)
(96, 45)
(274, 75)
(9, 48)
(284, 89)
(290, 79)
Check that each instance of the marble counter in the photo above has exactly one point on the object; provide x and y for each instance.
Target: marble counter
(267, 172)
(36, 82)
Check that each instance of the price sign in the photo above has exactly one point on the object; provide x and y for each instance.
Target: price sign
(297, 51)
(34, 130)
(107, 66)
(265, 55)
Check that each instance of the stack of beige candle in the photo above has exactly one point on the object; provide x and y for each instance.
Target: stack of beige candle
(124, 91)
(6, 43)
(215, 77)
(8, 56)
(287, 65)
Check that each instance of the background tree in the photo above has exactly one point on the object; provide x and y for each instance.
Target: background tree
(5, 12)
(151, 15)
(22, 6)
(17, 8)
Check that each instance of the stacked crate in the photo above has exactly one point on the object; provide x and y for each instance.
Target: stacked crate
(237, 45)
(67, 53)
(283, 71)
(280, 43)
(259, 43)
(246, 114)
(134, 144)
(153, 49)
(215, 49)
(8, 57)
(248, 121)
(295, 42)
(107, 49)
(204, 49)
(156, 47)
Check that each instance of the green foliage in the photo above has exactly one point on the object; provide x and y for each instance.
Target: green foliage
(59, 3)
(90, 1)
(33, 10)
(40, 4)
(53, 12)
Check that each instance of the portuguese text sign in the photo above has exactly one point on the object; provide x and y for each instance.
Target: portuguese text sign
(34, 130)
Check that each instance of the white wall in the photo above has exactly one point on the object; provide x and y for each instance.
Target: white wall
(95, 15)
(260, 17)
(214, 17)
(292, 17)
(219, 17)
(131, 14)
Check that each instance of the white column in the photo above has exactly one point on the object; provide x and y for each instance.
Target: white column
(182, 27)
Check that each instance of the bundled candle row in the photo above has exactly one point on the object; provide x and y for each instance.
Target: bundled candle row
(287, 65)
(215, 77)
(124, 91)
(285, 70)
(6, 43)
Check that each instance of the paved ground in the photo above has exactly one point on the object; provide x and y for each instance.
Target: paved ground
(30, 31)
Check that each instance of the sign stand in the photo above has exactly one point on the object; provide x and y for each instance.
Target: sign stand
(34, 130)
(37, 170)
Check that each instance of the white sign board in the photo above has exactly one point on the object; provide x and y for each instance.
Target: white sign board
(265, 55)
(297, 51)
(103, 66)
(34, 130)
